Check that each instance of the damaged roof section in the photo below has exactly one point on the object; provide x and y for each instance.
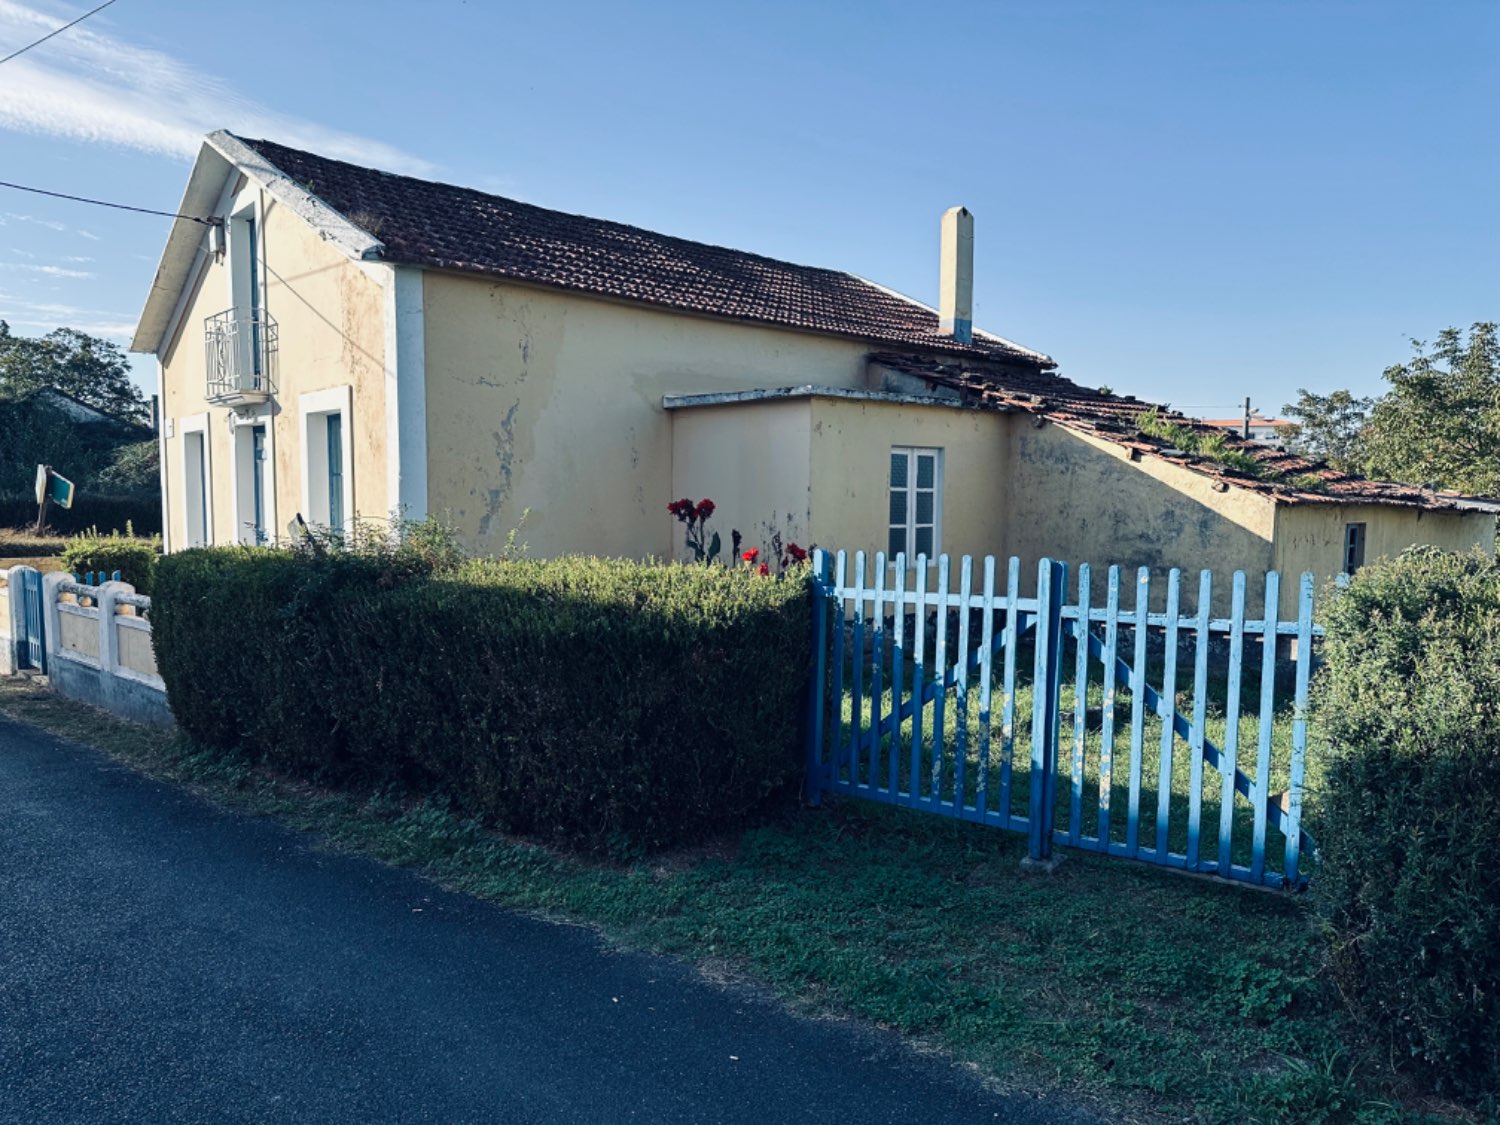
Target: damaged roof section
(1137, 426)
(422, 223)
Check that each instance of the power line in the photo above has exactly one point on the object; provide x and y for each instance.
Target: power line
(59, 31)
(106, 203)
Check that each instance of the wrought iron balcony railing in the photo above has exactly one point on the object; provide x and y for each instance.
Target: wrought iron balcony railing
(241, 352)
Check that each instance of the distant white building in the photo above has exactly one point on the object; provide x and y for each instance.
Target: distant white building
(1266, 431)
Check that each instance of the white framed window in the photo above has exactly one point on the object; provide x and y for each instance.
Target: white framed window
(197, 482)
(252, 477)
(916, 502)
(326, 426)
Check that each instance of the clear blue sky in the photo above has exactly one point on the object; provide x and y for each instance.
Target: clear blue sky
(1189, 201)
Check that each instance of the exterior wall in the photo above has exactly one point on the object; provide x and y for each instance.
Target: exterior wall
(1310, 537)
(79, 630)
(851, 460)
(134, 646)
(330, 316)
(753, 460)
(1077, 498)
(552, 402)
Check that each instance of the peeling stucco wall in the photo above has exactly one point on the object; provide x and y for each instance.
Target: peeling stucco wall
(552, 402)
(1080, 499)
(330, 316)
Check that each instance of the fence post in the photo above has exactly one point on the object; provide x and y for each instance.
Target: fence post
(1051, 592)
(813, 782)
(15, 636)
(51, 621)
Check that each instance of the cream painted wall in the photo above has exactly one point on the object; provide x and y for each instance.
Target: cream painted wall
(330, 315)
(752, 459)
(851, 461)
(1078, 498)
(552, 402)
(1310, 537)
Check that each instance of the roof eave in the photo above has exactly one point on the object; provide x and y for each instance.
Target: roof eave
(221, 155)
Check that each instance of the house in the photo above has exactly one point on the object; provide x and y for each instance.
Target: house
(1266, 431)
(337, 341)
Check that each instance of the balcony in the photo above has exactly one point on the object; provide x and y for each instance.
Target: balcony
(241, 354)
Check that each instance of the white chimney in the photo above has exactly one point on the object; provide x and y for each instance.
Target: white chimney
(956, 288)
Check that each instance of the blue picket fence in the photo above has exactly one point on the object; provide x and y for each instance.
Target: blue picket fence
(903, 709)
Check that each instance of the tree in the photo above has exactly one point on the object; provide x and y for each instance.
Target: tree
(92, 370)
(1329, 427)
(1440, 421)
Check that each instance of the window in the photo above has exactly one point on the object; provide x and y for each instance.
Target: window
(916, 502)
(197, 482)
(327, 462)
(1354, 547)
(335, 469)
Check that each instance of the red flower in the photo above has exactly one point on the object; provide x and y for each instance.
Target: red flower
(705, 509)
(751, 555)
(682, 509)
(797, 553)
(765, 568)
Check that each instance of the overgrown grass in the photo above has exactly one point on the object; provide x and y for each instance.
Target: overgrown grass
(1151, 996)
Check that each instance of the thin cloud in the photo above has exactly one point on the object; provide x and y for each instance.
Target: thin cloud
(93, 87)
(12, 217)
(41, 317)
(47, 271)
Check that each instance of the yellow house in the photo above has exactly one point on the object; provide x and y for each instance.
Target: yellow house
(343, 343)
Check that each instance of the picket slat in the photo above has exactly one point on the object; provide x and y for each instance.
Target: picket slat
(1138, 710)
(1262, 788)
(1230, 763)
(939, 672)
(986, 685)
(898, 673)
(877, 670)
(1166, 708)
(1080, 707)
(1200, 717)
(918, 679)
(857, 680)
(1299, 732)
(961, 686)
(839, 752)
(1107, 714)
(1008, 708)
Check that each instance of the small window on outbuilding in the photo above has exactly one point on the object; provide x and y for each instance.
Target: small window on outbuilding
(1354, 547)
(916, 501)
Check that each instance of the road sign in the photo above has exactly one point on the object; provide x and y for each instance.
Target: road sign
(60, 490)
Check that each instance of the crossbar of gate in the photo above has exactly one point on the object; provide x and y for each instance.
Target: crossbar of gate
(904, 709)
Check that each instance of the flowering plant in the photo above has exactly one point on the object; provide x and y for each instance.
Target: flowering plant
(705, 548)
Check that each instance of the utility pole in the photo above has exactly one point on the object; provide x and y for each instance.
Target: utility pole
(1246, 433)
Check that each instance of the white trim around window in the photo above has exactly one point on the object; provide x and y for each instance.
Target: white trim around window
(313, 411)
(915, 511)
(197, 489)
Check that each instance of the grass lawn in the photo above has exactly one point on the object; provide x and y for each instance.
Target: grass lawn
(1149, 995)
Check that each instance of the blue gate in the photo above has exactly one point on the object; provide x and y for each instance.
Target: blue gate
(903, 710)
(31, 646)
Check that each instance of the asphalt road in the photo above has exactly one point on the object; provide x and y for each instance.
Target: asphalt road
(162, 960)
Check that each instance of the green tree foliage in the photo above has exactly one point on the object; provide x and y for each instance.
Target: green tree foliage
(1440, 421)
(1329, 427)
(92, 370)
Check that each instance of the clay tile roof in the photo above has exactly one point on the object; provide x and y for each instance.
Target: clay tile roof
(1287, 476)
(438, 225)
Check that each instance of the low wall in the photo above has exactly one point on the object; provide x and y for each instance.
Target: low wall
(99, 648)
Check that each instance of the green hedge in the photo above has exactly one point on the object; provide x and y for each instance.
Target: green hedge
(109, 512)
(612, 706)
(133, 557)
(1408, 817)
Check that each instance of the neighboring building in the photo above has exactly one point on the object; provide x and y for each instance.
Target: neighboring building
(1263, 430)
(342, 342)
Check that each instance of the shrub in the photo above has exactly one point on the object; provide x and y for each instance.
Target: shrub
(90, 509)
(1409, 813)
(606, 705)
(134, 558)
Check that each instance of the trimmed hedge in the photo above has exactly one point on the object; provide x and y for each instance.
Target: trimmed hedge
(612, 706)
(134, 558)
(1408, 817)
(89, 510)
